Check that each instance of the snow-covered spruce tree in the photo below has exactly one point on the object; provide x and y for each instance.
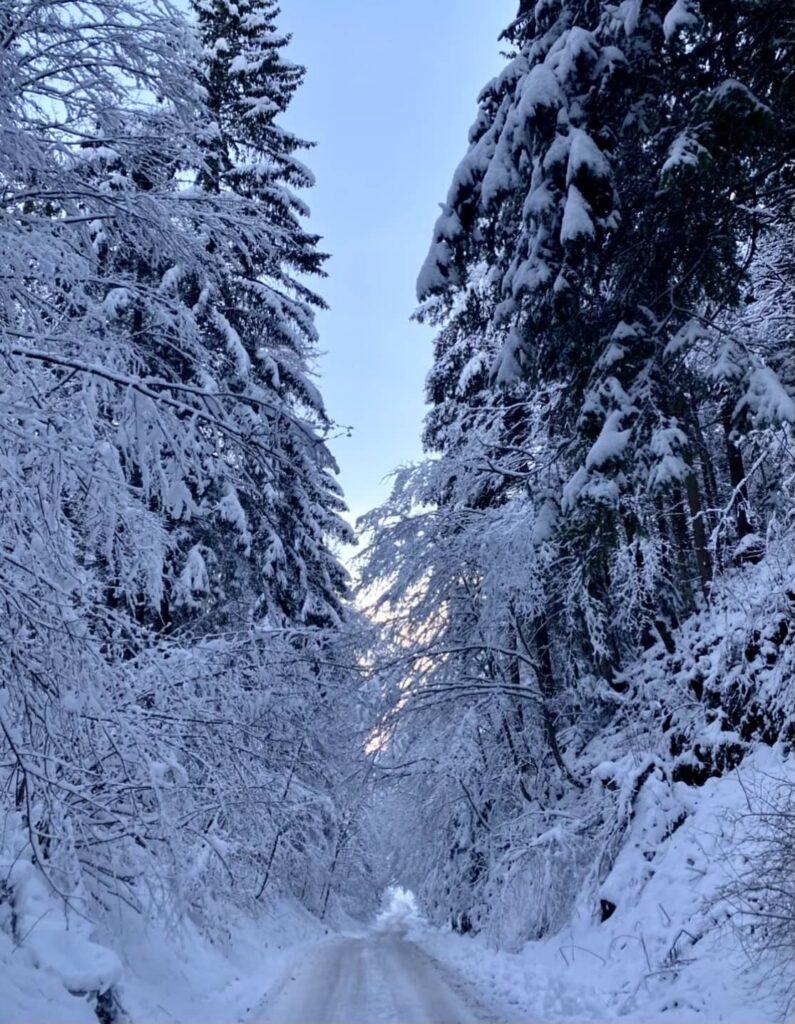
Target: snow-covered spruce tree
(135, 754)
(285, 512)
(606, 242)
(271, 529)
(609, 416)
(610, 249)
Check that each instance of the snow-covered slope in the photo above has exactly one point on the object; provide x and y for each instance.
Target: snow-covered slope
(673, 950)
(659, 886)
(56, 967)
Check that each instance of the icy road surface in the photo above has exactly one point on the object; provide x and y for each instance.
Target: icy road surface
(365, 981)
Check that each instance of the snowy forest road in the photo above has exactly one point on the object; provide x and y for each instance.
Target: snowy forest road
(365, 980)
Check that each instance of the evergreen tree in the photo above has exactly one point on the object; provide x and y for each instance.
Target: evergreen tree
(608, 415)
(606, 208)
(283, 511)
(152, 480)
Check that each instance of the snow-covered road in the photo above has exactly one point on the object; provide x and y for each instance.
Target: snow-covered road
(369, 979)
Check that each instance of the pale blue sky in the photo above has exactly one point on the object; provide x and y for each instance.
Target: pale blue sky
(389, 96)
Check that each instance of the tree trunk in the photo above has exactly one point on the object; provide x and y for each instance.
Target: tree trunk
(700, 543)
(546, 680)
(682, 548)
(517, 715)
(734, 459)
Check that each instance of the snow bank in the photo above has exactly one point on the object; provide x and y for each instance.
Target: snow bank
(188, 976)
(53, 966)
(55, 940)
(669, 952)
(160, 971)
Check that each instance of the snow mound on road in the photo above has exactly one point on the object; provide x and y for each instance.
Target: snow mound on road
(399, 912)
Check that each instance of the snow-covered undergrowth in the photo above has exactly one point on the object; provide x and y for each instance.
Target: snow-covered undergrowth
(673, 950)
(655, 882)
(62, 961)
(58, 968)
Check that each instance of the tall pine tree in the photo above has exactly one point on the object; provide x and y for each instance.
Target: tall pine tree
(262, 548)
